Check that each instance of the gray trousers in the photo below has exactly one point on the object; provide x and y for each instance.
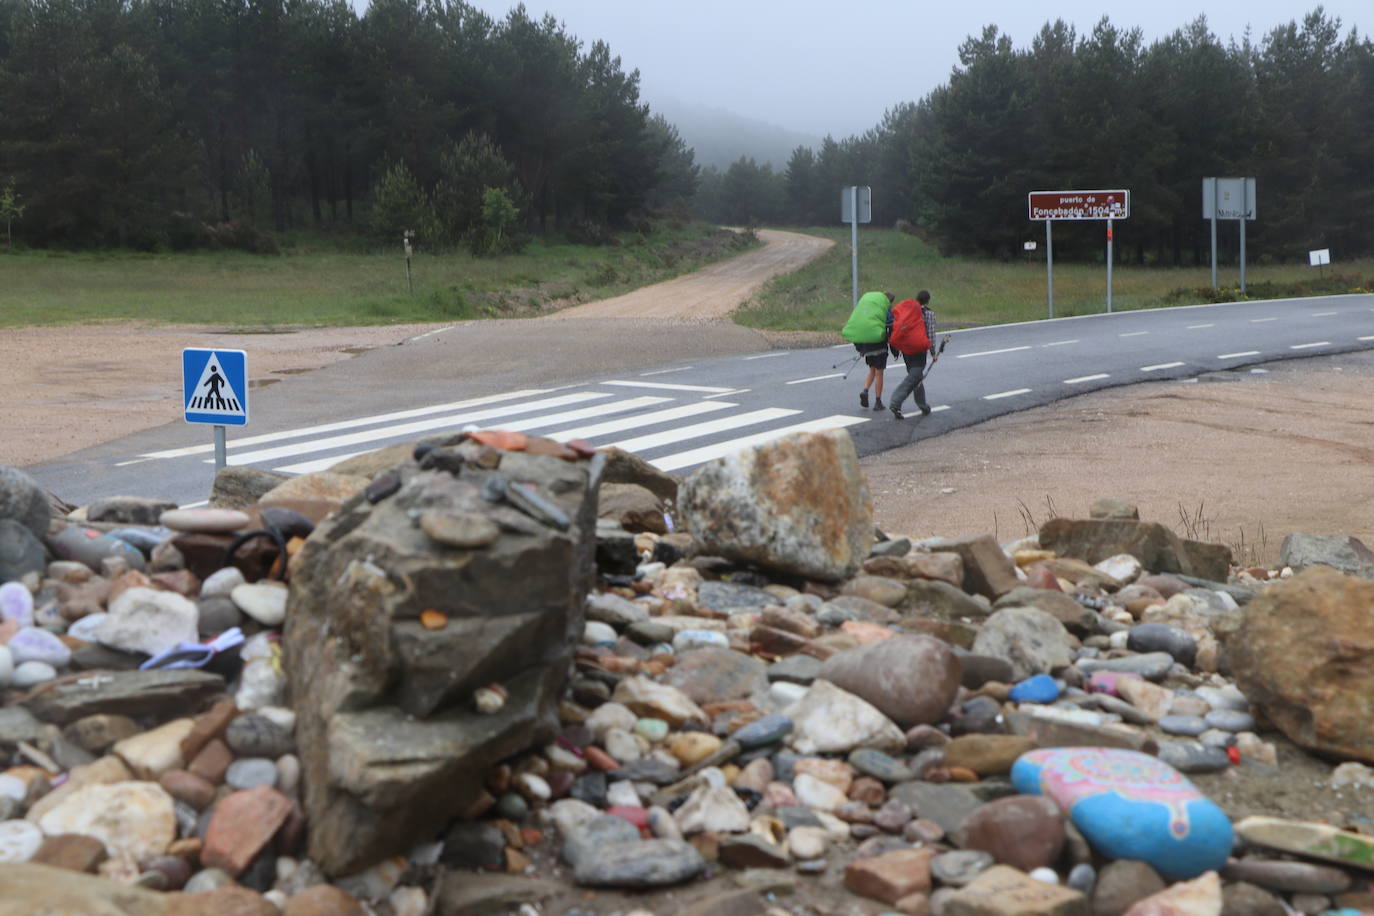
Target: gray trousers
(915, 367)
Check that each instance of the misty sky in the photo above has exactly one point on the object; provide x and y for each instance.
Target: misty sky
(834, 68)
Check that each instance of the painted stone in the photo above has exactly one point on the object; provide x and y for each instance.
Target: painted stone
(1040, 688)
(1131, 806)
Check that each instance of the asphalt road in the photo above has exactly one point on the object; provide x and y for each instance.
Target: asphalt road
(663, 389)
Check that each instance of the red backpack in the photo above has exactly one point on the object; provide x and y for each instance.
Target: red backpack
(909, 328)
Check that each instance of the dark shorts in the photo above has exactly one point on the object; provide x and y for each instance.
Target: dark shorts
(874, 355)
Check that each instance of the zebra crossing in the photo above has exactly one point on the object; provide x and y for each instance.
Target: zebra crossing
(674, 427)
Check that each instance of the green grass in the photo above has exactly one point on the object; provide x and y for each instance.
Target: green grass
(967, 292)
(317, 283)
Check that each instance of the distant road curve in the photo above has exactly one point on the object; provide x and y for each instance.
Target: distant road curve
(714, 291)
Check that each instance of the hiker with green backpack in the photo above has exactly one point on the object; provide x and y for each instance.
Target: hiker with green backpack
(912, 336)
(867, 329)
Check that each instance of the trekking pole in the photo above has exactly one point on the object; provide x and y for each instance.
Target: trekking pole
(943, 341)
(850, 368)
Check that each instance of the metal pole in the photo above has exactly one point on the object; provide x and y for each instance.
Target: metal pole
(1243, 214)
(854, 242)
(1049, 263)
(1214, 233)
(220, 456)
(1109, 265)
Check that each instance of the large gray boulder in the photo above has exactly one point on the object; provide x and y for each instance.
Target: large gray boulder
(798, 505)
(1155, 546)
(1341, 552)
(23, 500)
(392, 745)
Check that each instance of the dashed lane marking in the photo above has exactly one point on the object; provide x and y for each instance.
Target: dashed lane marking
(1086, 378)
(1158, 366)
(1005, 394)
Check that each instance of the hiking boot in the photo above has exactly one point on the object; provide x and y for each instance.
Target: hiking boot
(897, 414)
(863, 398)
(925, 409)
(878, 404)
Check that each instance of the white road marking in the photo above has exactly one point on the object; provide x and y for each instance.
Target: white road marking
(1308, 346)
(423, 336)
(1159, 366)
(726, 393)
(451, 421)
(1060, 343)
(1324, 314)
(1235, 355)
(766, 355)
(1194, 327)
(1258, 320)
(352, 424)
(1005, 394)
(665, 371)
(991, 352)
(584, 413)
(1369, 337)
(721, 449)
(195, 505)
(666, 387)
(814, 378)
(644, 419)
(1133, 334)
(1086, 378)
(939, 407)
(697, 430)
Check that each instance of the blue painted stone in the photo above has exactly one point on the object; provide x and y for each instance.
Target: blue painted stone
(1130, 806)
(1039, 688)
(763, 731)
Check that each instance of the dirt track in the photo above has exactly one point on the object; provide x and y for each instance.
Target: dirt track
(1255, 456)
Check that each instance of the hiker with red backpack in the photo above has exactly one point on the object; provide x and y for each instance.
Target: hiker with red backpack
(912, 337)
(867, 330)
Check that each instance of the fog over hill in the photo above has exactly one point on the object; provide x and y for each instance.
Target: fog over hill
(719, 137)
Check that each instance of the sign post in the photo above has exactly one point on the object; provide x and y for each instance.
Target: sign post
(214, 390)
(1228, 198)
(1077, 205)
(856, 206)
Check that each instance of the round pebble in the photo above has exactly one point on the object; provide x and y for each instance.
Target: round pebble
(596, 633)
(16, 603)
(1192, 726)
(250, 772)
(207, 880)
(33, 644)
(652, 730)
(512, 807)
(687, 640)
(1083, 878)
(31, 673)
(288, 774)
(1047, 875)
(221, 582)
(1230, 720)
(209, 521)
(87, 627)
(1040, 688)
(264, 602)
(763, 731)
(12, 787)
(19, 840)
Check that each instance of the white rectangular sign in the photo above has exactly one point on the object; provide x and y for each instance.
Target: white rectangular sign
(1234, 198)
(1319, 257)
(865, 196)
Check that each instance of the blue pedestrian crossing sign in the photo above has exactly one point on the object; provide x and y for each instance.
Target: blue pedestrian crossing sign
(214, 386)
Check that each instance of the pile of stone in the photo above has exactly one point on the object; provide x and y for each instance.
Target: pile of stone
(493, 671)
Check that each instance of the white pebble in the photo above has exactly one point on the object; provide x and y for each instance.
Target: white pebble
(596, 633)
(1046, 875)
(622, 793)
(31, 673)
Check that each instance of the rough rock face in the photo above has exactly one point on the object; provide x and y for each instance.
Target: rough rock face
(390, 743)
(798, 505)
(1305, 655)
(1155, 546)
(1340, 552)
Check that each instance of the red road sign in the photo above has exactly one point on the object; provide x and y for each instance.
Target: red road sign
(1079, 204)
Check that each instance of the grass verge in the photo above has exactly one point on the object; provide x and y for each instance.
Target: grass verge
(316, 283)
(967, 292)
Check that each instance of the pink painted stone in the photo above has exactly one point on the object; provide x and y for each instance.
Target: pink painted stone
(1106, 681)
